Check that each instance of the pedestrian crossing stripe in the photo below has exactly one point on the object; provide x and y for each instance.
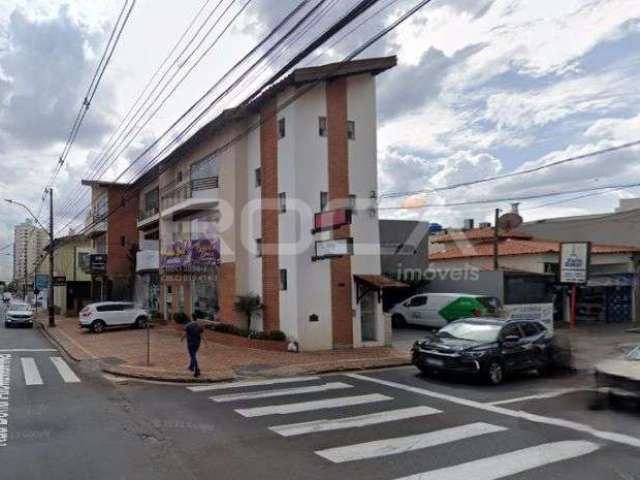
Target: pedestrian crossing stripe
(281, 392)
(394, 446)
(326, 425)
(312, 405)
(511, 463)
(32, 376)
(251, 383)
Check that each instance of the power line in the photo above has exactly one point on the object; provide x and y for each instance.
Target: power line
(514, 174)
(306, 89)
(107, 54)
(507, 199)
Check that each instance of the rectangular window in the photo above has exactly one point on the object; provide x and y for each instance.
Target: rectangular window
(123, 241)
(324, 200)
(282, 200)
(258, 177)
(258, 247)
(283, 279)
(179, 176)
(352, 204)
(351, 130)
(281, 128)
(322, 126)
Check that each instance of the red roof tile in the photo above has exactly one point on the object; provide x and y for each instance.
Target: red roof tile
(512, 246)
(477, 234)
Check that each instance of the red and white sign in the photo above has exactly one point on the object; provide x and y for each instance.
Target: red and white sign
(331, 220)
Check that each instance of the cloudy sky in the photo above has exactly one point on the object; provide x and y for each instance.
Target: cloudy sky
(482, 88)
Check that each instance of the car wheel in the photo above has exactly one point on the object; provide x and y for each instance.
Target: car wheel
(6, 325)
(97, 326)
(495, 372)
(398, 321)
(427, 372)
(141, 322)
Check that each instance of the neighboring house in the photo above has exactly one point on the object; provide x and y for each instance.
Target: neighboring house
(239, 207)
(111, 226)
(71, 260)
(532, 266)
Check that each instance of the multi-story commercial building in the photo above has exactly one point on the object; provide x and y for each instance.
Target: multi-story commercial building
(29, 242)
(275, 197)
(71, 260)
(111, 226)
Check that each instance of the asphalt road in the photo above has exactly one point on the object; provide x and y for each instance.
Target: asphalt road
(389, 424)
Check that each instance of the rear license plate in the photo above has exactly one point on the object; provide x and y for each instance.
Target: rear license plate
(435, 362)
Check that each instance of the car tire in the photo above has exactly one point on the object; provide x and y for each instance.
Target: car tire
(97, 326)
(427, 372)
(494, 373)
(141, 322)
(398, 321)
(6, 325)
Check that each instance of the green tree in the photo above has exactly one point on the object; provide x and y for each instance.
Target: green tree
(248, 305)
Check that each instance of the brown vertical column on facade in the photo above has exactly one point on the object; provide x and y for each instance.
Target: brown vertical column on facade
(338, 163)
(227, 292)
(270, 231)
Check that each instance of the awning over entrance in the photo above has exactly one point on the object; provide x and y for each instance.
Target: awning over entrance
(369, 283)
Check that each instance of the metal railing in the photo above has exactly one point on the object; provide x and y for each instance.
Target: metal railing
(174, 193)
(148, 213)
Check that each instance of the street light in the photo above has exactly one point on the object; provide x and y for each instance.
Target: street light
(52, 318)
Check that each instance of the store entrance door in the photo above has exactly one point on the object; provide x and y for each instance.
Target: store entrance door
(368, 316)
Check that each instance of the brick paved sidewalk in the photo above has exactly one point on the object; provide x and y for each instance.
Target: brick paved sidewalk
(124, 352)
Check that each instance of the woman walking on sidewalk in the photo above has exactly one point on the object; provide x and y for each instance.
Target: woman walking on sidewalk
(193, 333)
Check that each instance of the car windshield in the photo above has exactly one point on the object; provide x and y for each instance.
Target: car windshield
(20, 307)
(477, 332)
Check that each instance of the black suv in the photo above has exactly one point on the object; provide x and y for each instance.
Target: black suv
(488, 347)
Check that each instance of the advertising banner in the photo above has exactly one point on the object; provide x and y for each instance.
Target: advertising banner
(188, 255)
(574, 262)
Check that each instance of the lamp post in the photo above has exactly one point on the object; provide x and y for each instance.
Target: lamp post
(52, 319)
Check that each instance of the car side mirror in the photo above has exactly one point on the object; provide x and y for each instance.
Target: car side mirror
(511, 340)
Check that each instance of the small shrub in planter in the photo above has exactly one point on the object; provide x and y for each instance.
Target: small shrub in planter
(180, 318)
(277, 335)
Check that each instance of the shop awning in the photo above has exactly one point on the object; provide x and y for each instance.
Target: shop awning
(379, 281)
(374, 283)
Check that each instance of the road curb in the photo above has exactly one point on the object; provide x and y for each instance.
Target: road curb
(56, 343)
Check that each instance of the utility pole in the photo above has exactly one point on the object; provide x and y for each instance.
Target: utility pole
(496, 240)
(52, 316)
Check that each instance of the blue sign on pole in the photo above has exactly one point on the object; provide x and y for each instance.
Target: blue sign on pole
(42, 282)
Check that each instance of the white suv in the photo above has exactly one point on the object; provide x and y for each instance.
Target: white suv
(98, 316)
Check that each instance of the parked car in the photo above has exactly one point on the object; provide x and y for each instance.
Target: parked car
(618, 381)
(438, 309)
(19, 314)
(98, 316)
(489, 347)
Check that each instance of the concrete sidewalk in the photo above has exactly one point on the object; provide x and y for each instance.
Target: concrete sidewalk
(124, 352)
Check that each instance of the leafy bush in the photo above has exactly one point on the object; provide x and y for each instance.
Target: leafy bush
(180, 318)
(248, 305)
(277, 335)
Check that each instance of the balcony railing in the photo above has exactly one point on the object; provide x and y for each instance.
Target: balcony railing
(148, 213)
(174, 194)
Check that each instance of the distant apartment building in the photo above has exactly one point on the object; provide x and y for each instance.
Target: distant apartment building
(275, 197)
(29, 242)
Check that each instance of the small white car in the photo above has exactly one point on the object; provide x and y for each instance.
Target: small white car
(18, 314)
(98, 316)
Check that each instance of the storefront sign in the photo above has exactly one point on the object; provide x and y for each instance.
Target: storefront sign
(41, 282)
(331, 220)
(147, 260)
(59, 281)
(541, 312)
(574, 262)
(98, 263)
(333, 248)
(191, 254)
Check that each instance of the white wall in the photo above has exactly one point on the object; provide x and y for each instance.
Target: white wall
(363, 179)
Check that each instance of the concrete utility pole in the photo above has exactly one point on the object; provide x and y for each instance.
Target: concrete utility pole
(52, 313)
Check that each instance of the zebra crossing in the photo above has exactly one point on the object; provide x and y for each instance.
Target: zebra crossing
(264, 399)
(31, 370)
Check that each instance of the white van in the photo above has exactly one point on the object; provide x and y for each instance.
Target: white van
(438, 309)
